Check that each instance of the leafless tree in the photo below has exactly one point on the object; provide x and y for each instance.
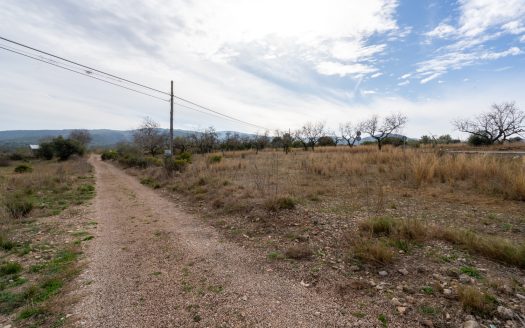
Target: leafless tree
(205, 141)
(350, 133)
(149, 137)
(501, 122)
(283, 139)
(310, 133)
(83, 137)
(382, 130)
(261, 140)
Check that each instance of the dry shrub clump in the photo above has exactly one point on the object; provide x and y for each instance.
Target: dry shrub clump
(475, 301)
(299, 252)
(372, 251)
(495, 248)
(280, 203)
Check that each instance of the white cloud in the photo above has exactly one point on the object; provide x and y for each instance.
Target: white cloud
(514, 51)
(378, 74)
(355, 51)
(404, 83)
(514, 27)
(406, 76)
(335, 68)
(368, 92)
(430, 78)
(479, 15)
(441, 31)
(522, 39)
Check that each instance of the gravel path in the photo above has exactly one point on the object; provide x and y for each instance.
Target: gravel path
(153, 265)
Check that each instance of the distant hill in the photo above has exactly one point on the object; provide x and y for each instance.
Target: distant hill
(101, 137)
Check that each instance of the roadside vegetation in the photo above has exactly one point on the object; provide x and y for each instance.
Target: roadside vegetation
(406, 225)
(39, 242)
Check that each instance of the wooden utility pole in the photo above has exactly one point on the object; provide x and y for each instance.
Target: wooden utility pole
(171, 120)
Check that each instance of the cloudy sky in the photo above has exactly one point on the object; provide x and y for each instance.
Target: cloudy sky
(276, 63)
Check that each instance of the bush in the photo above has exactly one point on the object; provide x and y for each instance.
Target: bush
(46, 151)
(18, 205)
(476, 302)
(153, 161)
(372, 251)
(10, 268)
(65, 148)
(23, 168)
(133, 161)
(175, 165)
(184, 156)
(16, 157)
(109, 155)
(215, 159)
(280, 203)
(475, 140)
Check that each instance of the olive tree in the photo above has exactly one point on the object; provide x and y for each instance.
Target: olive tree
(497, 125)
(310, 133)
(381, 129)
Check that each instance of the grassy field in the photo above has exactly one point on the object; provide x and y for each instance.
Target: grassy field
(42, 231)
(443, 229)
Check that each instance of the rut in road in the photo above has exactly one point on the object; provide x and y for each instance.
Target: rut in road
(153, 265)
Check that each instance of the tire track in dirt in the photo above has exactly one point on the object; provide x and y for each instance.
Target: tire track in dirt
(153, 265)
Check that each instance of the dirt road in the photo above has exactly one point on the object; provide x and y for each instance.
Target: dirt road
(153, 265)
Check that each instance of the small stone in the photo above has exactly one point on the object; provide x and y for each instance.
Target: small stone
(354, 268)
(471, 324)
(463, 278)
(447, 316)
(403, 271)
(317, 313)
(244, 298)
(304, 284)
(401, 309)
(68, 315)
(7, 326)
(427, 323)
(383, 273)
(396, 302)
(447, 291)
(505, 313)
(521, 297)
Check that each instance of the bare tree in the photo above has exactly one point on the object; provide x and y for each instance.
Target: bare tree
(350, 133)
(149, 137)
(310, 133)
(261, 141)
(382, 130)
(503, 121)
(83, 137)
(205, 141)
(283, 139)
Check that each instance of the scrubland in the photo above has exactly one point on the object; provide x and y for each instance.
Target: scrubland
(399, 235)
(41, 237)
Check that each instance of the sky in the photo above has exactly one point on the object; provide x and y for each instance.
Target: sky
(275, 63)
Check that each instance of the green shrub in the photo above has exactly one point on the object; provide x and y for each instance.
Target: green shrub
(65, 148)
(184, 156)
(215, 159)
(46, 151)
(16, 157)
(109, 155)
(175, 165)
(133, 161)
(10, 268)
(23, 168)
(153, 161)
(475, 140)
(18, 205)
(5, 243)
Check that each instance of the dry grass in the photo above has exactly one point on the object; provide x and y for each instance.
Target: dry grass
(475, 301)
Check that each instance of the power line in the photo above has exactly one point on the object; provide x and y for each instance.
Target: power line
(85, 66)
(215, 115)
(218, 113)
(81, 73)
(118, 78)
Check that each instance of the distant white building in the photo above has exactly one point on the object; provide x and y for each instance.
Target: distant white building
(34, 148)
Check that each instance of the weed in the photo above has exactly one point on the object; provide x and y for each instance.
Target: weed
(427, 290)
(214, 159)
(18, 204)
(23, 168)
(428, 310)
(5, 243)
(10, 268)
(470, 271)
(384, 321)
(31, 312)
(275, 256)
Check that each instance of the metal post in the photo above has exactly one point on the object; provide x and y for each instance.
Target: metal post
(171, 120)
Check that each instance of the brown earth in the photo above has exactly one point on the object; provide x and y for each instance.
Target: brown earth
(153, 265)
